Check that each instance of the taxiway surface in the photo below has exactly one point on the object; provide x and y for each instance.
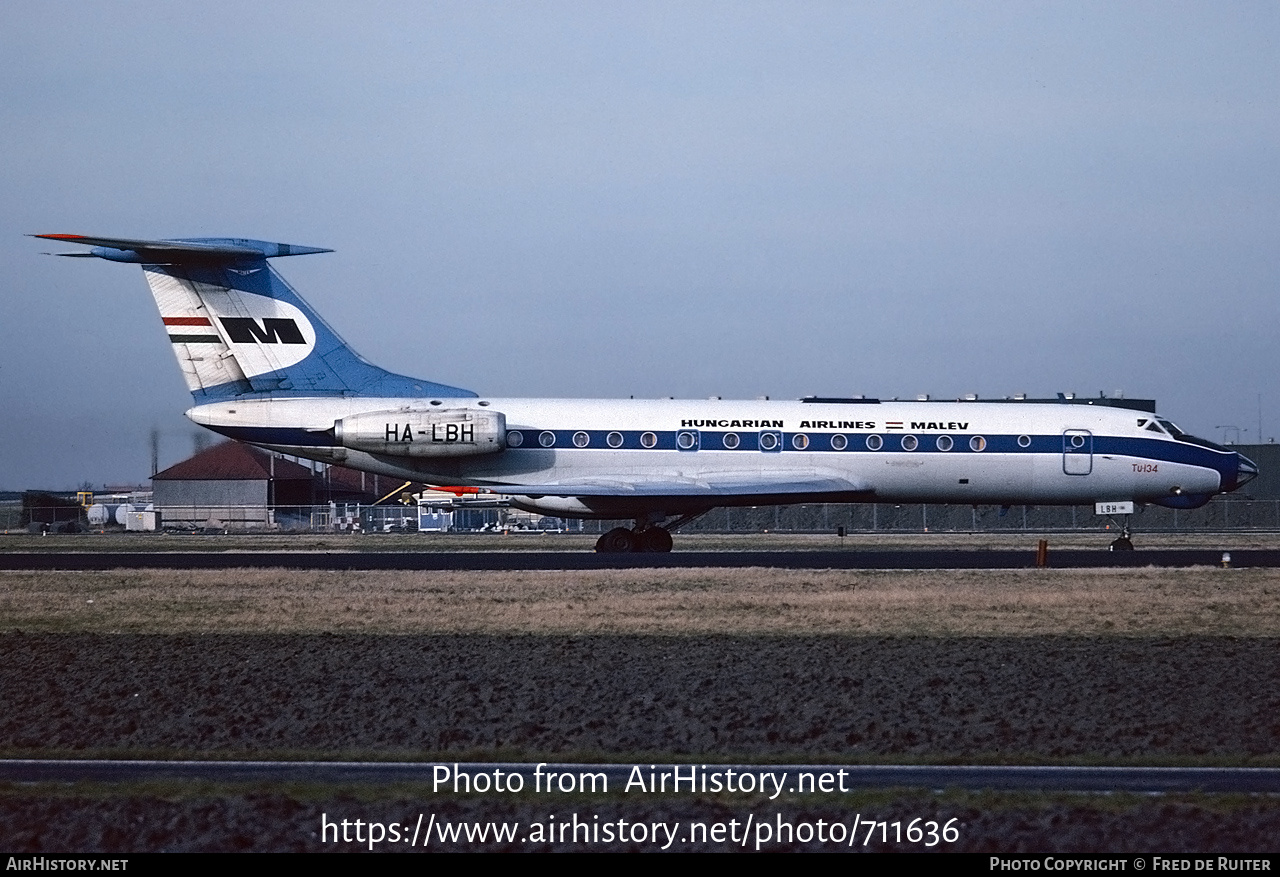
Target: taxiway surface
(566, 560)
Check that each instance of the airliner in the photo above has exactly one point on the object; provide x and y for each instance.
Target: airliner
(265, 369)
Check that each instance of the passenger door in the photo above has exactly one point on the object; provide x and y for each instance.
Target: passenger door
(1077, 452)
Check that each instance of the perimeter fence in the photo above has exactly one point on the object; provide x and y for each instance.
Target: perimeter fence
(1219, 515)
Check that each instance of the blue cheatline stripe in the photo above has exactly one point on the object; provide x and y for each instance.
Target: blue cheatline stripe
(1155, 450)
(598, 439)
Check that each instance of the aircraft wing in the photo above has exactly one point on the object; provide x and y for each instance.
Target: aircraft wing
(705, 485)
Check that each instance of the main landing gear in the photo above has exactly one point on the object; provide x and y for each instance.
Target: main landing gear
(646, 536)
(620, 540)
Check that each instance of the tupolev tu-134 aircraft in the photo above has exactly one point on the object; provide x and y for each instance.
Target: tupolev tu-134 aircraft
(264, 368)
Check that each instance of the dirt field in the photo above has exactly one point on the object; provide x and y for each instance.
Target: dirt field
(564, 698)
(1019, 666)
(1142, 602)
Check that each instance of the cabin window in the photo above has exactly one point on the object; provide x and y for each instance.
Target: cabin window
(731, 440)
(874, 443)
(839, 442)
(515, 438)
(614, 439)
(910, 443)
(977, 443)
(768, 441)
(1077, 441)
(581, 439)
(648, 439)
(547, 438)
(686, 441)
(800, 441)
(944, 443)
(1024, 441)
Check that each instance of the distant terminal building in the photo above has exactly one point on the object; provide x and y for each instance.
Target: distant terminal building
(234, 486)
(237, 486)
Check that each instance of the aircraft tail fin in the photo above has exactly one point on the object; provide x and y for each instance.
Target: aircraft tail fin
(238, 328)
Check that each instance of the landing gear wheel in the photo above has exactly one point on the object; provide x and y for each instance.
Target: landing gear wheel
(619, 540)
(1122, 542)
(655, 540)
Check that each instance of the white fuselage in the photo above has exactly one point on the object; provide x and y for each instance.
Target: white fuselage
(945, 452)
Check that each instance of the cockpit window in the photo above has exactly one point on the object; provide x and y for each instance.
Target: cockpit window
(1154, 427)
(1179, 435)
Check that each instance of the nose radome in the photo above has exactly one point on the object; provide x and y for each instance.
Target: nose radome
(1246, 470)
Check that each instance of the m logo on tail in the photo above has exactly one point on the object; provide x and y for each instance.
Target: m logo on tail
(224, 336)
(273, 330)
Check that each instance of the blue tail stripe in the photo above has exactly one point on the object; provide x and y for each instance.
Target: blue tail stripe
(332, 368)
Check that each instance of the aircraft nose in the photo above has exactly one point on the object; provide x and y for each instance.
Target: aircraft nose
(1246, 470)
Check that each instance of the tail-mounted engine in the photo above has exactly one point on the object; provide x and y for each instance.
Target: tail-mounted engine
(452, 432)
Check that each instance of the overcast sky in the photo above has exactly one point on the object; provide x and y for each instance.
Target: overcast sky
(653, 199)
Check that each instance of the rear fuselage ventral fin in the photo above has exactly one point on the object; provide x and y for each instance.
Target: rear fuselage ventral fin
(239, 330)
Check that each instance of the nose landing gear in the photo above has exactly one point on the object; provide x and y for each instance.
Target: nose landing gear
(1123, 542)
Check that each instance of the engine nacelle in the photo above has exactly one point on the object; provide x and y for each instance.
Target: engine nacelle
(452, 432)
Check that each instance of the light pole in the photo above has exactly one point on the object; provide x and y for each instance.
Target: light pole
(1224, 428)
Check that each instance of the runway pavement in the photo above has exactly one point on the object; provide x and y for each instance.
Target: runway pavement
(568, 560)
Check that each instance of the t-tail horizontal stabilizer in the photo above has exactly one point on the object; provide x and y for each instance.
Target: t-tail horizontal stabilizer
(181, 250)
